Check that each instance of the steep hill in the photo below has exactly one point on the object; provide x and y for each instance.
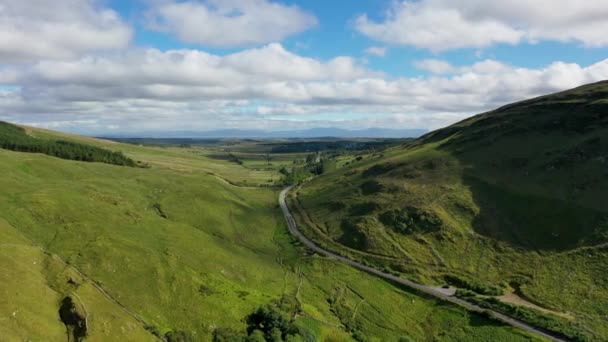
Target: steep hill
(176, 250)
(514, 198)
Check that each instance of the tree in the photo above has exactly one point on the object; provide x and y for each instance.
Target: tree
(179, 336)
(256, 336)
(270, 322)
(311, 158)
(14, 138)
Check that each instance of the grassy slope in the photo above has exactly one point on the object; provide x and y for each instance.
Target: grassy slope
(33, 283)
(220, 252)
(520, 192)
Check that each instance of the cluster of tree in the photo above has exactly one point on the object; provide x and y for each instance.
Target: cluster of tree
(336, 145)
(234, 159)
(411, 220)
(15, 138)
(169, 142)
(266, 324)
(314, 165)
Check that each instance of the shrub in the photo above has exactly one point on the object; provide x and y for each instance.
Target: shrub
(380, 169)
(477, 287)
(411, 220)
(353, 235)
(363, 208)
(227, 335)
(359, 336)
(179, 336)
(371, 187)
(270, 322)
(335, 205)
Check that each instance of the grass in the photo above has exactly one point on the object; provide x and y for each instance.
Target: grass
(184, 250)
(558, 325)
(519, 193)
(32, 286)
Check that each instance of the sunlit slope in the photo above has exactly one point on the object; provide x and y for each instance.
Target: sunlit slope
(177, 159)
(183, 250)
(514, 196)
(33, 283)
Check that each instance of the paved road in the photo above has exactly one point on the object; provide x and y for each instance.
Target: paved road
(293, 228)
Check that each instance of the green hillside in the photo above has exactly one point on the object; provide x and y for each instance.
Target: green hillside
(15, 138)
(177, 250)
(511, 201)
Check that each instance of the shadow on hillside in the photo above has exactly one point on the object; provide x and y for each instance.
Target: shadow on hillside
(559, 140)
(532, 222)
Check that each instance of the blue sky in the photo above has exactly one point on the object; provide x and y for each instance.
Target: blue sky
(335, 35)
(108, 66)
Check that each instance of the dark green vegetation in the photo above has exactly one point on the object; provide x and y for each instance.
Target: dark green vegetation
(267, 323)
(177, 250)
(302, 145)
(74, 321)
(510, 200)
(15, 138)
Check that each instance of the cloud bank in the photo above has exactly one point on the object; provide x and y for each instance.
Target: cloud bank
(440, 25)
(229, 23)
(81, 72)
(36, 29)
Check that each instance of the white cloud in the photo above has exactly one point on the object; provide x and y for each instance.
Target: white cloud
(441, 25)
(442, 67)
(230, 23)
(185, 73)
(376, 51)
(57, 29)
(435, 66)
(266, 87)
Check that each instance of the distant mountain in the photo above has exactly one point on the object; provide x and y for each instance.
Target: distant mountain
(305, 133)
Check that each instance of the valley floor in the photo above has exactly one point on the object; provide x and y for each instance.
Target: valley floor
(172, 250)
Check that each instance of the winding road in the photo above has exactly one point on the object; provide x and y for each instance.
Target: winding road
(293, 229)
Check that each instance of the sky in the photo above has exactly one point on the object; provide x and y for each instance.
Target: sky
(115, 66)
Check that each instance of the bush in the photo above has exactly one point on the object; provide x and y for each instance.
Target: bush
(411, 220)
(256, 336)
(381, 169)
(359, 336)
(371, 187)
(179, 336)
(153, 330)
(228, 335)
(267, 323)
(353, 233)
(477, 287)
(335, 205)
(363, 208)
(271, 323)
